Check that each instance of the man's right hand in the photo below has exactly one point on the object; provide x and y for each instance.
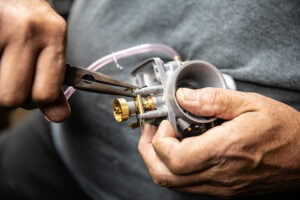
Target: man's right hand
(32, 65)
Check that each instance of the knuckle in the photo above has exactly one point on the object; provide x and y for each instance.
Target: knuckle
(212, 101)
(256, 101)
(40, 96)
(161, 179)
(141, 148)
(25, 21)
(255, 95)
(213, 95)
(57, 34)
(25, 28)
(176, 165)
(156, 141)
(59, 26)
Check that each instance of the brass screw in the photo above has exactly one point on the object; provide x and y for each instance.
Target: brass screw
(149, 103)
(121, 109)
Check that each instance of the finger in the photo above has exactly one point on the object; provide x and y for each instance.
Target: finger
(17, 66)
(221, 103)
(58, 110)
(214, 147)
(49, 75)
(220, 191)
(145, 145)
(147, 133)
(238, 189)
(159, 172)
(192, 154)
(165, 142)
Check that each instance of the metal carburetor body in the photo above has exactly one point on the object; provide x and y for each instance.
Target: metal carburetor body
(155, 99)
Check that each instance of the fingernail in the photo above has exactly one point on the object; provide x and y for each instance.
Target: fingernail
(189, 94)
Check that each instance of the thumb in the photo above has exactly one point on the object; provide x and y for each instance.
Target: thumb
(221, 103)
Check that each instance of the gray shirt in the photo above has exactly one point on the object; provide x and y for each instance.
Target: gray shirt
(257, 42)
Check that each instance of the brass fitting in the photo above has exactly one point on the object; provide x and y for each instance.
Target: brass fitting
(139, 102)
(121, 109)
(149, 103)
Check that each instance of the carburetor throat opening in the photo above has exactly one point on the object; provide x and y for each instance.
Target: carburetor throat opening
(157, 83)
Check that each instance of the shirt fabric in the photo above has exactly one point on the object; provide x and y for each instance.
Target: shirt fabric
(256, 42)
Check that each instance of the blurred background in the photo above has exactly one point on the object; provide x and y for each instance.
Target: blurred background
(62, 7)
(10, 118)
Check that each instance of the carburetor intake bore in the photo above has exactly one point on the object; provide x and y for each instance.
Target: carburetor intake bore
(193, 74)
(157, 83)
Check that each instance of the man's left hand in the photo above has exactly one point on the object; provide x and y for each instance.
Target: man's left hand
(256, 151)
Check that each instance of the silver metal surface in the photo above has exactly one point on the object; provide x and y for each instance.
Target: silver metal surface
(161, 80)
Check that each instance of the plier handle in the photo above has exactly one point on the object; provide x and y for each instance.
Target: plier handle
(91, 81)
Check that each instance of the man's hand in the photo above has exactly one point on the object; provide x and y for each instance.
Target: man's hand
(256, 151)
(32, 47)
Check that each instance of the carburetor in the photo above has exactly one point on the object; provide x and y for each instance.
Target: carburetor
(155, 96)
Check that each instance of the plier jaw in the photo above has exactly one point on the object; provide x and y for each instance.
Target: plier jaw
(91, 81)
